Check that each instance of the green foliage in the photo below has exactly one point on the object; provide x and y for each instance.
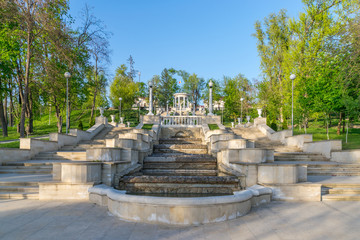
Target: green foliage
(213, 126)
(193, 85)
(123, 86)
(147, 126)
(80, 125)
(92, 122)
(273, 125)
(167, 86)
(235, 89)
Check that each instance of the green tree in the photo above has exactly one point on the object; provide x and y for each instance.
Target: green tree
(193, 85)
(123, 86)
(167, 86)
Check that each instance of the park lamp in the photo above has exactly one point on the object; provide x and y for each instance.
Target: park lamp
(150, 84)
(210, 84)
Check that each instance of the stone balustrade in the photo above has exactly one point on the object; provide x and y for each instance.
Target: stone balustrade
(181, 120)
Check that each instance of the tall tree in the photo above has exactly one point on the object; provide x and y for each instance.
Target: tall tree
(193, 85)
(167, 86)
(124, 87)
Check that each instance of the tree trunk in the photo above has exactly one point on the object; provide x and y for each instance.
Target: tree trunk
(339, 124)
(30, 112)
(6, 110)
(2, 118)
(26, 84)
(59, 119)
(11, 108)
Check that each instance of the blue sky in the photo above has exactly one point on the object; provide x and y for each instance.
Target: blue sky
(207, 37)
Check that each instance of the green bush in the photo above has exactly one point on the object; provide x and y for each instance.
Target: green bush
(285, 125)
(80, 125)
(92, 122)
(273, 126)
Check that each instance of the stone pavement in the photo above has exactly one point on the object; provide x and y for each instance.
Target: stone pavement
(33, 219)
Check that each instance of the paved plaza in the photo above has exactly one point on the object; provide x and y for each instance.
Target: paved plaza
(33, 219)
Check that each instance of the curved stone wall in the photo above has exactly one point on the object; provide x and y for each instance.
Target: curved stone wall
(176, 211)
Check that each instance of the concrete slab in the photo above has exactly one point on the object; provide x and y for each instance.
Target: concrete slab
(9, 177)
(33, 219)
(334, 179)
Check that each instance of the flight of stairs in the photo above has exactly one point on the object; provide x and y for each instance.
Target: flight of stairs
(340, 192)
(180, 166)
(19, 180)
(22, 179)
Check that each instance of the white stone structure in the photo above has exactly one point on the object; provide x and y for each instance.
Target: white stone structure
(181, 102)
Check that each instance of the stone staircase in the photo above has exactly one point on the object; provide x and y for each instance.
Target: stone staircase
(334, 169)
(340, 192)
(299, 156)
(19, 180)
(180, 166)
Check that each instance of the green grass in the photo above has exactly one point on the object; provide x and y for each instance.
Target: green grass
(15, 144)
(213, 126)
(42, 126)
(147, 126)
(319, 134)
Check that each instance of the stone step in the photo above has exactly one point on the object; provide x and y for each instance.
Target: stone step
(180, 146)
(27, 164)
(26, 167)
(181, 184)
(180, 165)
(332, 173)
(19, 195)
(344, 191)
(19, 189)
(59, 155)
(180, 140)
(341, 197)
(33, 184)
(179, 172)
(181, 151)
(335, 169)
(180, 159)
(27, 171)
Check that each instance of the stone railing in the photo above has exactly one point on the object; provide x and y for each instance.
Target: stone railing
(181, 120)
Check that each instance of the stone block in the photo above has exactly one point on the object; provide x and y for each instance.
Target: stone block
(81, 172)
(64, 191)
(296, 192)
(346, 156)
(277, 173)
(103, 154)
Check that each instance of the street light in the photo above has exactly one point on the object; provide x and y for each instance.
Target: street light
(292, 77)
(210, 99)
(120, 110)
(241, 100)
(150, 98)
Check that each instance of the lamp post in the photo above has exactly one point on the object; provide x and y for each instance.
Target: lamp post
(241, 100)
(150, 98)
(49, 113)
(210, 99)
(139, 76)
(120, 109)
(67, 76)
(292, 77)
